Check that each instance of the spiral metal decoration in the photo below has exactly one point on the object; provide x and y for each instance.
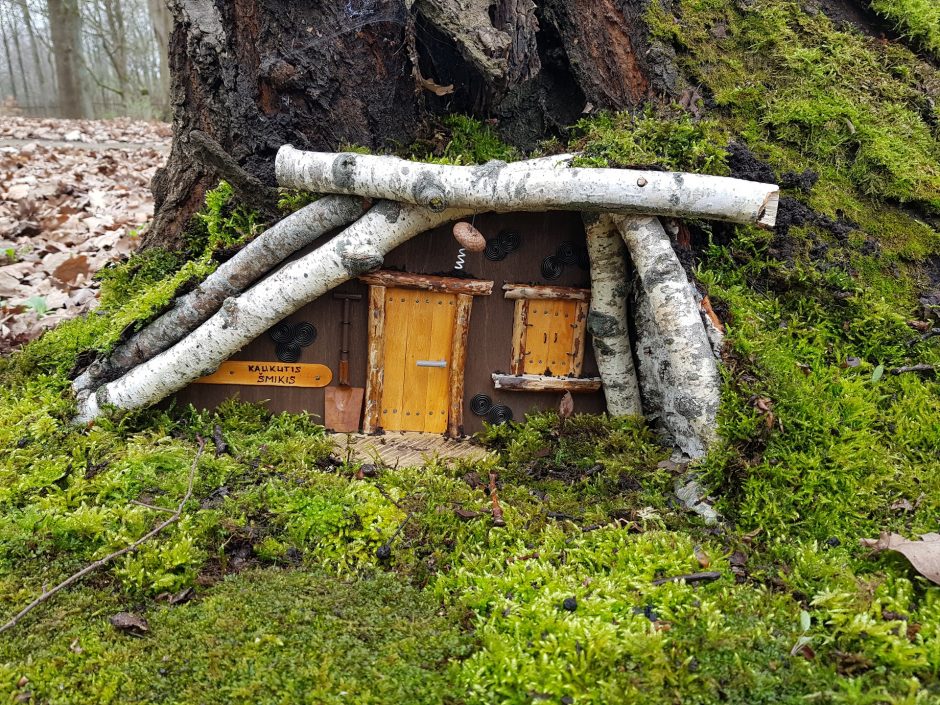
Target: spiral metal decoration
(567, 253)
(481, 404)
(510, 240)
(304, 334)
(289, 340)
(494, 251)
(288, 352)
(552, 268)
(281, 333)
(499, 414)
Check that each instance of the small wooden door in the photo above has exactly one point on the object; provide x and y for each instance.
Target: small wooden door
(419, 337)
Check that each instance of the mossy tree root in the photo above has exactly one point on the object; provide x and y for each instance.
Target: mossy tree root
(269, 249)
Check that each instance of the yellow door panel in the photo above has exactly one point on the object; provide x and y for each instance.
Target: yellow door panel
(437, 398)
(419, 332)
(551, 330)
(397, 313)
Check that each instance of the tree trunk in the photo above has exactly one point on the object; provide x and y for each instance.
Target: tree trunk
(6, 51)
(65, 26)
(116, 47)
(256, 74)
(162, 22)
(18, 49)
(33, 44)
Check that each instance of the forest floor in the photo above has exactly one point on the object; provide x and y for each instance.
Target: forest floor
(72, 195)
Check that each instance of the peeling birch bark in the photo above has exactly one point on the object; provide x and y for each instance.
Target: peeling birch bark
(496, 186)
(607, 320)
(266, 251)
(680, 365)
(242, 319)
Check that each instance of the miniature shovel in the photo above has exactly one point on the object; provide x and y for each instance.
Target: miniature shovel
(344, 403)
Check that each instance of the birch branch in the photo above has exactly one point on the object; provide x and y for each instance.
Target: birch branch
(92, 567)
(681, 367)
(269, 249)
(607, 320)
(358, 249)
(496, 186)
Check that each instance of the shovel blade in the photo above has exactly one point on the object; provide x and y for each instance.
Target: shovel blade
(343, 408)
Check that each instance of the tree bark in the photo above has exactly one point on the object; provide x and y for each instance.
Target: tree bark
(65, 26)
(607, 320)
(6, 51)
(33, 43)
(257, 74)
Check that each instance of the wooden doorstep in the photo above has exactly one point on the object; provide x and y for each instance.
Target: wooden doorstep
(427, 282)
(540, 383)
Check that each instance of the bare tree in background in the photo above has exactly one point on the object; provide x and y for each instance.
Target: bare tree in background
(65, 25)
(88, 58)
(162, 22)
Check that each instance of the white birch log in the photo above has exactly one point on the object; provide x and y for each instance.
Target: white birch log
(680, 361)
(266, 251)
(607, 319)
(359, 248)
(495, 187)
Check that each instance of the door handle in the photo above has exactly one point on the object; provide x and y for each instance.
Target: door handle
(432, 363)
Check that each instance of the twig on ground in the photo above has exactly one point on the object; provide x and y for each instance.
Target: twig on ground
(152, 506)
(497, 510)
(92, 567)
(690, 578)
(923, 369)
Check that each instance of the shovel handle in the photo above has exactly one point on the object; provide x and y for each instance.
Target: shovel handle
(344, 373)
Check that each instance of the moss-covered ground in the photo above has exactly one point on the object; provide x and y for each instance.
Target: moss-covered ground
(293, 577)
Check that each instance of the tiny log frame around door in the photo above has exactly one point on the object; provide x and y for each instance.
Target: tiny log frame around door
(464, 289)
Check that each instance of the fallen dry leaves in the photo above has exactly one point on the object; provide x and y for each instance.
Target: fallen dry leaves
(72, 192)
(924, 554)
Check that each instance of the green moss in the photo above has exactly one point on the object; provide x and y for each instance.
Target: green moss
(261, 636)
(223, 222)
(674, 142)
(918, 20)
(313, 585)
(463, 140)
(780, 76)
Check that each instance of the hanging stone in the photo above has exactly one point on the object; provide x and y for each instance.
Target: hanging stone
(469, 237)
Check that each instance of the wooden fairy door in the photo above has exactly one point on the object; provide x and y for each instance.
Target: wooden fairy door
(418, 329)
(419, 335)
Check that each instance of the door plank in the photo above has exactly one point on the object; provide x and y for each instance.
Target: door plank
(418, 345)
(561, 337)
(443, 313)
(541, 314)
(397, 314)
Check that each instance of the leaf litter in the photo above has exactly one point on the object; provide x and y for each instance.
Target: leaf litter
(73, 195)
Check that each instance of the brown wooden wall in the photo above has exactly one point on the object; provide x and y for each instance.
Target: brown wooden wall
(434, 252)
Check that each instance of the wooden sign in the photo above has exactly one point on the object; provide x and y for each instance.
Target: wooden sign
(270, 374)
